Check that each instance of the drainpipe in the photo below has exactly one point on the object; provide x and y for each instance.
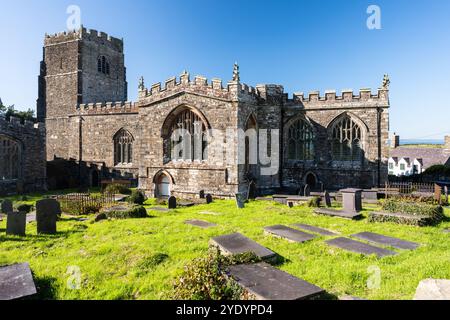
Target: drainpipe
(379, 111)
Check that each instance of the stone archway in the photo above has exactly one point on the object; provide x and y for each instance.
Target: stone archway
(311, 180)
(163, 185)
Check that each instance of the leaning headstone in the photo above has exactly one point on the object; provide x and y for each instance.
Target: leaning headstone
(208, 198)
(327, 199)
(433, 289)
(240, 200)
(47, 212)
(16, 223)
(172, 203)
(16, 281)
(6, 206)
(352, 200)
(201, 194)
(307, 191)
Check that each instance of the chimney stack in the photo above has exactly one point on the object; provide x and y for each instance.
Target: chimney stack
(447, 144)
(395, 140)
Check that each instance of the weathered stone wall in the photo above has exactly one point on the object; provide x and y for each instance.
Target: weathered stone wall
(32, 163)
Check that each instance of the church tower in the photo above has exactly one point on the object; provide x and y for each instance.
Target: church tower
(82, 66)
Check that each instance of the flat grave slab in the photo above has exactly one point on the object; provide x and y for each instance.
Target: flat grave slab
(290, 234)
(351, 298)
(268, 283)
(200, 223)
(387, 241)
(338, 213)
(16, 281)
(315, 229)
(186, 204)
(159, 209)
(359, 247)
(263, 199)
(237, 243)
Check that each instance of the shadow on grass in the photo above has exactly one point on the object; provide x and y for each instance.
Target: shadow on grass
(45, 288)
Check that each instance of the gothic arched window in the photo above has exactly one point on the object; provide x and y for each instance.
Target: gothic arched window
(103, 65)
(123, 147)
(9, 159)
(187, 137)
(346, 140)
(300, 141)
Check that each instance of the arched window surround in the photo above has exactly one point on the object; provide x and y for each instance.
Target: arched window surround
(185, 117)
(123, 142)
(103, 65)
(300, 146)
(11, 151)
(347, 136)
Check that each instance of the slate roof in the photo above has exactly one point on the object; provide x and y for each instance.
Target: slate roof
(429, 156)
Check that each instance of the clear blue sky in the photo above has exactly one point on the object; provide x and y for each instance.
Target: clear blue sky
(303, 45)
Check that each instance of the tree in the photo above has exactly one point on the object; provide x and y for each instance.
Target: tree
(9, 111)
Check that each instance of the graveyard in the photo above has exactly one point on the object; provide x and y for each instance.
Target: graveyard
(140, 258)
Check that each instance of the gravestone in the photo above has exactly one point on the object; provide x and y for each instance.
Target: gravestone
(318, 230)
(16, 281)
(172, 203)
(359, 247)
(16, 223)
(289, 234)
(327, 199)
(6, 206)
(200, 223)
(265, 282)
(352, 200)
(438, 193)
(240, 200)
(47, 212)
(433, 289)
(338, 213)
(201, 194)
(251, 192)
(236, 243)
(387, 241)
(208, 198)
(307, 191)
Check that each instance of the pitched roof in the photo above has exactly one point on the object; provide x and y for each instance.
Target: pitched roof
(428, 156)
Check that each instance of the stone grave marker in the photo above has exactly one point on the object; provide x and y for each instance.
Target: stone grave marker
(433, 289)
(208, 198)
(240, 200)
(352, 200)
(201, 194)
(318, 230)
(200, 223)
(438, 193)
(359, 247)
(237, 243)
(327, 199)
(47, 212)
(16, 223)
(16, 281)
(289, 234)
(387, 241)
(172, 203)
(265, 282)
(338, 213)
(6, 206)
(307, 191)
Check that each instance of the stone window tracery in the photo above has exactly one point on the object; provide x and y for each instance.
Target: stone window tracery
(123, 147)
(9, 159)
(346, 142)
(300, 139)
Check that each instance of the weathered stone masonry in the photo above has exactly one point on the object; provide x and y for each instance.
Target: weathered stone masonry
(83, 127)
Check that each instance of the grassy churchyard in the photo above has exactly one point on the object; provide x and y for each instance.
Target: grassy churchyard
(141, 258)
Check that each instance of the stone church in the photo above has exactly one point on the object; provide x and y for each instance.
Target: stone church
(327, 141)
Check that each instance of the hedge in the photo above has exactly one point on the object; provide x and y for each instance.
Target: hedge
(430, 213)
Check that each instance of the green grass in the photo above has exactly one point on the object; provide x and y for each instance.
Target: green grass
(140, 258)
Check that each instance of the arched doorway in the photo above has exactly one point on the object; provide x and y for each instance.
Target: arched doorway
(162, 184)
(311, 180)
(95, 180)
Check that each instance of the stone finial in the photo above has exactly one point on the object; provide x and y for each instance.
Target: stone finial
(386, 82)
(236, 76)
(141, 84)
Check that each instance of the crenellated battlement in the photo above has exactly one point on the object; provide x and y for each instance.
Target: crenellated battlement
(347, 95)
(118, 107)
(16, 123)
(197, 85)
(83, 34)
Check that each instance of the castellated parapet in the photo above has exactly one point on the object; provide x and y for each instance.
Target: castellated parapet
(107, 108)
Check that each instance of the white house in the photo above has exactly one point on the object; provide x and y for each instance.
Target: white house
(405, 166)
